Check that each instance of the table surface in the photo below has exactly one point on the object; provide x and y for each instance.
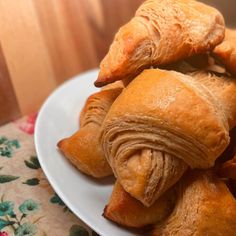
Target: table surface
(27, 200)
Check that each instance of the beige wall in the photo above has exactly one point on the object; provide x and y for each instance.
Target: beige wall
(44, 42)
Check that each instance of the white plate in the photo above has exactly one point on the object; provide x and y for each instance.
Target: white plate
(57, 119)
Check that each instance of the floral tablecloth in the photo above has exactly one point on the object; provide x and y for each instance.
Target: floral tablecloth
(28, 204)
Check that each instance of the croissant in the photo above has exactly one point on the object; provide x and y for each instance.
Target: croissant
(127, 211)
(163, 123)
(226, 51)
(197, 63)
(205, 206)
(90, 160)
(161, 32)
(116, 84)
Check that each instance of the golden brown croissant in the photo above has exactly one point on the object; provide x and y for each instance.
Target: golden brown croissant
(128, 211)
(162, 32)
(226, 51)
(204, 206)
(197, 63)
(163, 122)
(116, 84)
(83, 148)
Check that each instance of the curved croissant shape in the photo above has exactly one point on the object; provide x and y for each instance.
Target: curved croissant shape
(163, 122)
(83, 148)
(128, 211)
(204, 206)
(226, 51)
(162, 32)
(223, 89)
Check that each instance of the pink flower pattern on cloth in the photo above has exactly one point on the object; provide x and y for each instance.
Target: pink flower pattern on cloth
(28, 204)
(27, 124)
(4, 234)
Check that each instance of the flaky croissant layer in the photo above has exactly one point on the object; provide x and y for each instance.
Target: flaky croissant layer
(128, 211)
(161, 32)
(83, 148)
(162, 123)
(226, 51)
(204, 206)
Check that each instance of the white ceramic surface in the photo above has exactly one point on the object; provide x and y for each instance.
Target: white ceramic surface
(57, 119)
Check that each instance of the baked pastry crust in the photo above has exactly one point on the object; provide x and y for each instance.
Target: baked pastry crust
(125, 210)
(226, 51)
(161, 32)
(83, 148)
(204, 206)
(150, 137)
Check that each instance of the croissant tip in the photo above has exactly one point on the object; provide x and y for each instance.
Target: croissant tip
(102, 82)
(60, 143)
(99, 83)
(104, 214)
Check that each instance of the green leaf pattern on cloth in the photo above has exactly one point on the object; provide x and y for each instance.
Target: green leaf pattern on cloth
(57, 200)
(32, 182)
(19, 224)
(33, 163)
(7, 178)
(26, 229)
(29, 207)
(4, 223)
(6, 208)
(7, 146)
(28, 204)
(77, 230)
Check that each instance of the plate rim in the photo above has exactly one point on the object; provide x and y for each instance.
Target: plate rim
(49, 177)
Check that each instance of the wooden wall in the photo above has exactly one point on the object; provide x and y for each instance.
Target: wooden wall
(44, 42)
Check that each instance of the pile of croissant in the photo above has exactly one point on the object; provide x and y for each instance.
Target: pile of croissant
(163, 122)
